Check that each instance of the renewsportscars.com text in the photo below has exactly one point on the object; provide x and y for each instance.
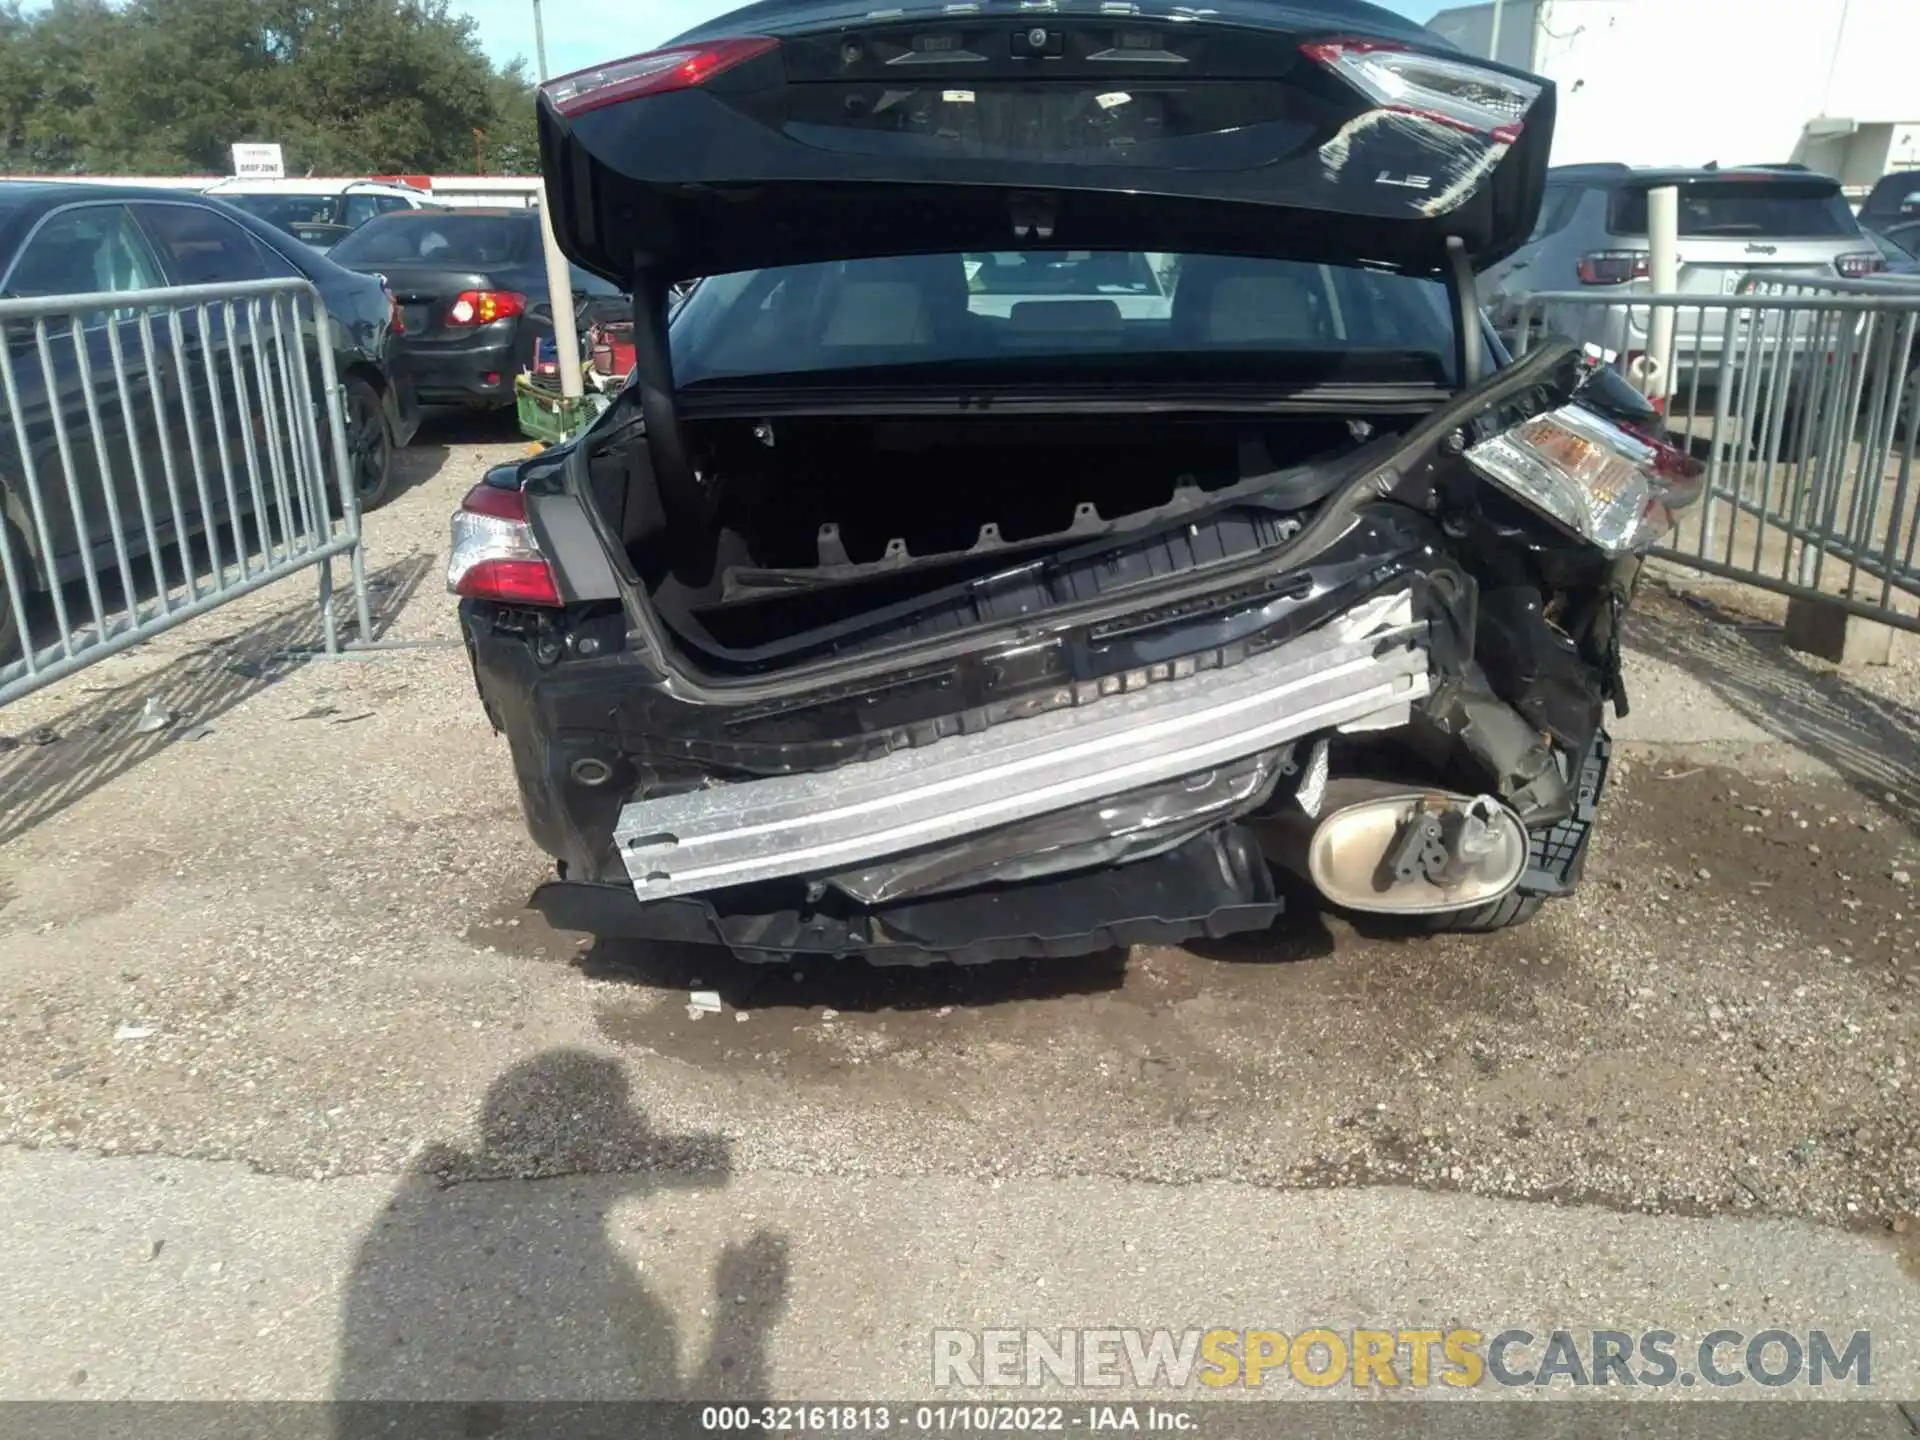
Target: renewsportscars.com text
(1363, 1359)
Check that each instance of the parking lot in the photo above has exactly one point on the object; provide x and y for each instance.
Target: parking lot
(270, 1009)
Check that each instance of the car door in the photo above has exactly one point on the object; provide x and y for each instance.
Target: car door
(100, 492)
(229, 417)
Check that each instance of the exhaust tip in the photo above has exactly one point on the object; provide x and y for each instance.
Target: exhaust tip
(1417, 853)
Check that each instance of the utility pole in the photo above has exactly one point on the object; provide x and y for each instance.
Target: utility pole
(1493, 41)
(566, 340)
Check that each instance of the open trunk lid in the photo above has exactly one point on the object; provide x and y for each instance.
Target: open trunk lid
(791, 132)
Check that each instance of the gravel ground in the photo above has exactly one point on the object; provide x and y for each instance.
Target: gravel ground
(297, 942)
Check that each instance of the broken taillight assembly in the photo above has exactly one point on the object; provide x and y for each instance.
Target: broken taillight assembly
(685, 67)
(1614, 486)
(1457, 93)
(495, 554)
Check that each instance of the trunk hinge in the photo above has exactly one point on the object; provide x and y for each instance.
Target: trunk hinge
(681, 497)
(1469, 345)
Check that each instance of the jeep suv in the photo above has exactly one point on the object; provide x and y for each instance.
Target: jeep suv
(1591, 237)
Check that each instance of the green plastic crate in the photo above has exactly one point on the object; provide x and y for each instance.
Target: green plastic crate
(548, 416)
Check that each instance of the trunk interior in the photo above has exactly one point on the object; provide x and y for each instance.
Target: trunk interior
(833, 533)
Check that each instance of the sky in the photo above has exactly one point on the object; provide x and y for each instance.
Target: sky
(585, 32)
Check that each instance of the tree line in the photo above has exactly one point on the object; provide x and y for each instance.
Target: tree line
(346, 87)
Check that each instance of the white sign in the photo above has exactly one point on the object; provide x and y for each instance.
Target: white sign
(258, 162)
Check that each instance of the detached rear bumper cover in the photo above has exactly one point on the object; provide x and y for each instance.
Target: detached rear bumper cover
(1369, 662)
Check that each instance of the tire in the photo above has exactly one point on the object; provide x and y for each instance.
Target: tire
(1509, 910)
(10, 643)
(1557, 859)
(369, 445)
(9, 630)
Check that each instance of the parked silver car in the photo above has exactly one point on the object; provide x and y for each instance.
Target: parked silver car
(1591, 237)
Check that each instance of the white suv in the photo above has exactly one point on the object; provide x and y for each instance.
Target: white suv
(319, 212)
(1591, 237)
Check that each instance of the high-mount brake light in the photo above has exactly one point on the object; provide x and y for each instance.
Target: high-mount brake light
(495, 555)
(1451, 92)
(685, 67)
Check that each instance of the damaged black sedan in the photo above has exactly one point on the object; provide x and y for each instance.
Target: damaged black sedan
(1080, 487)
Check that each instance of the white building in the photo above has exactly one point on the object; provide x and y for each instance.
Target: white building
(1832, 84)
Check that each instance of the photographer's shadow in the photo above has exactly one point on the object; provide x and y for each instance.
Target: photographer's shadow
(490, 1278)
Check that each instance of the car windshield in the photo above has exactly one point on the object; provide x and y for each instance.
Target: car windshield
(286, 210)
(1087, 307)
(438, 238)
(1895, 194)
(1777, 209)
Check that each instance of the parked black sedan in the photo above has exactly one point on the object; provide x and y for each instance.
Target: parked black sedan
(472, 288)
(66, 239)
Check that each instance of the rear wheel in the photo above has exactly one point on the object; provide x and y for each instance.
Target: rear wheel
(369, 445)
(1558, 856)
(1509, 910)
(10, 646)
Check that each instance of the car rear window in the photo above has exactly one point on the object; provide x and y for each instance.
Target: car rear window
(1895, 194)
(1065, 272)
(285, 210)
(1782, 210)
(1084, 306)
(439, 238)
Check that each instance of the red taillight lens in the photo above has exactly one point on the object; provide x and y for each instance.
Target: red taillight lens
(495, 555)
(1453, 92)
(655, 73)
(1612, 267)
(1860, 264)
(483, 307)
(396, 317)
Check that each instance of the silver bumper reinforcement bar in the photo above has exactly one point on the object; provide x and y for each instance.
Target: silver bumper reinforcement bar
(791, 825)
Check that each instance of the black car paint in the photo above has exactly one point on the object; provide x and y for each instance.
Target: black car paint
(450, 366)
(718, 178)
(706, 181)
(358, 316)
(581, 685)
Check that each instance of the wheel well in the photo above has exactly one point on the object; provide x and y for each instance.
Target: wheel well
(361, 370)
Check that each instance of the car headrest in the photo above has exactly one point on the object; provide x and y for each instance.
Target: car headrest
(1223, 300)
(905, 300)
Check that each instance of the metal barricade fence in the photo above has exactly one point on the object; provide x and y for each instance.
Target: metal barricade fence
(164, 452)
(1802, 399)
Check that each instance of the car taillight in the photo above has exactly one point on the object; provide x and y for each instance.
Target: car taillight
(1859, 264)
(1613, 485)
(1453, 92)
(495, 555)
(1612, 267)
(684, 67)
(396, 317)
(483, 307)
